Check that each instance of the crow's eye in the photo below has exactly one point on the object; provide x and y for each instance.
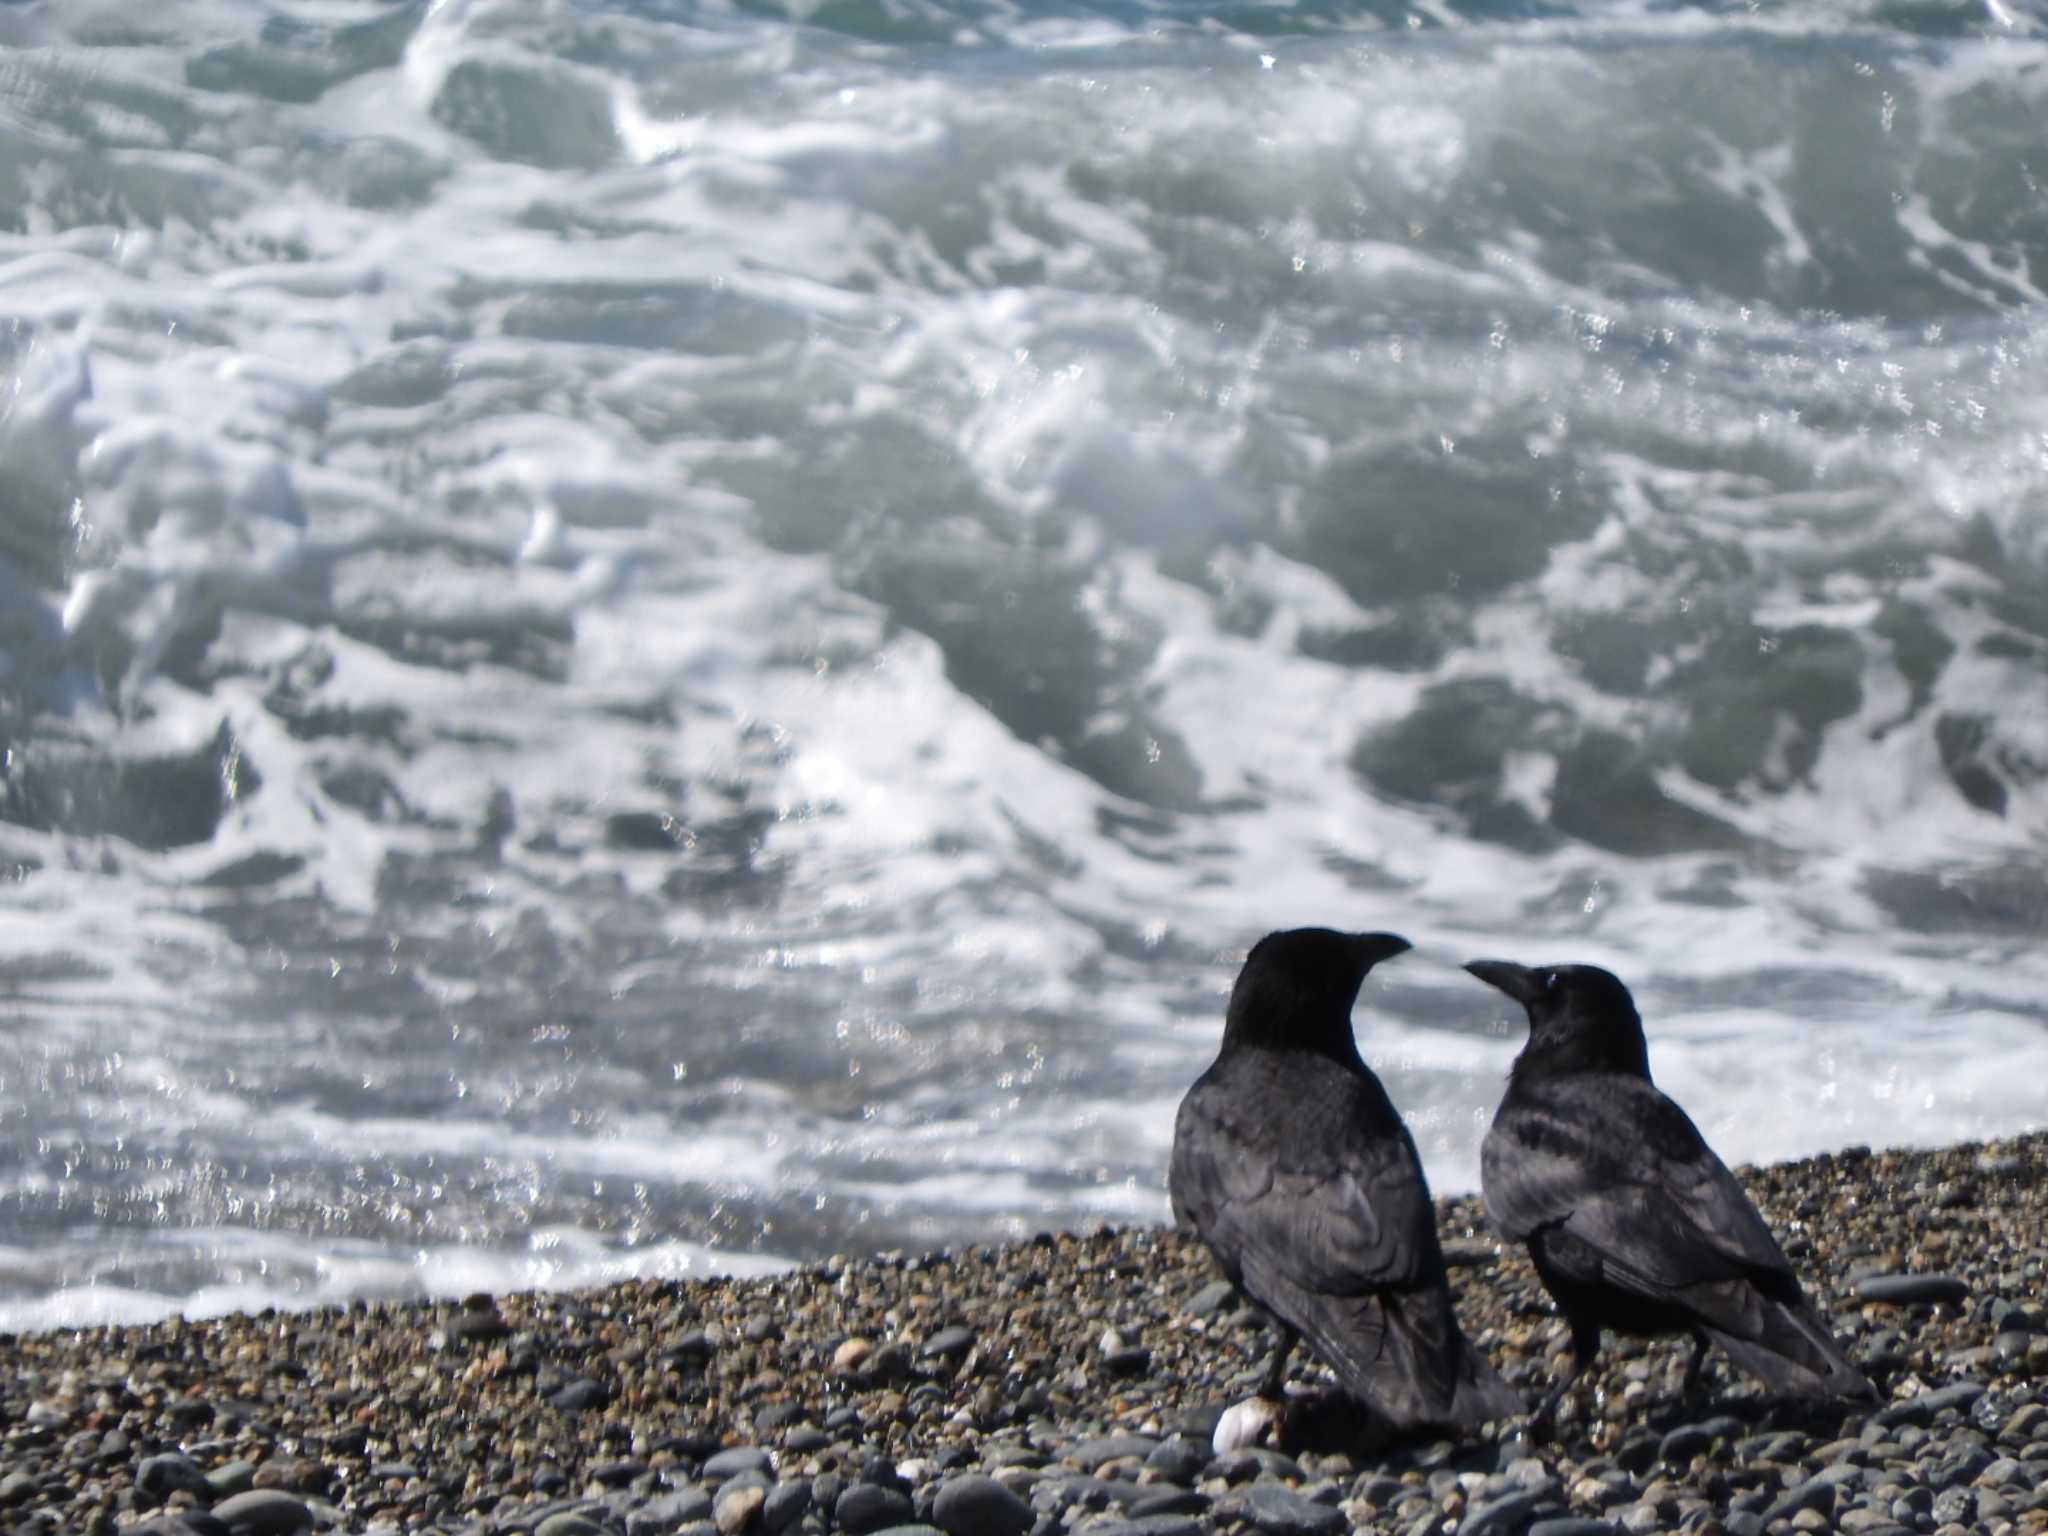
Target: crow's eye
(1550, 979)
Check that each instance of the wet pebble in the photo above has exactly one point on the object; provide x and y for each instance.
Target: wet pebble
(1509, 1513)
(976, 1505)
(1912, 1289)
(1921, 1410)
(1148, 1525)
(1178, 1459)
(1279, 1511)
(786, 1504)
(948, 1343)
(264, 1512)
(1241, 1466)
(869, 1507)
(163, 1475)
(740, 1458)
(1092, 1453)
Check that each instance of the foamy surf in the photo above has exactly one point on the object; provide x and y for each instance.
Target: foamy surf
(707, 634)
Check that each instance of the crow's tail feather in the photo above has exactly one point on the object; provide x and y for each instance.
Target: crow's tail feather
(1403, 1355)
(1790, 1349)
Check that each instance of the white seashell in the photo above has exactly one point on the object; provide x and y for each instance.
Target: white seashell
(1255, 1421)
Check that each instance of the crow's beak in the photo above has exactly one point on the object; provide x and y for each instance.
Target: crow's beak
(1374, 947)
(1518, 981)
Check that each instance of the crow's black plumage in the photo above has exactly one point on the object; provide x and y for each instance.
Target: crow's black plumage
(1294, 1167)
(1632, 1221)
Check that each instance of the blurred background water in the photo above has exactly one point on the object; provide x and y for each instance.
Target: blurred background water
(641, 636)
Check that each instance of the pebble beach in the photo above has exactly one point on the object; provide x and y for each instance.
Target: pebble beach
(1067, 1383)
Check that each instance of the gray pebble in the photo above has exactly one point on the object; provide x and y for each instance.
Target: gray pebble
(1956, 1506)
(948, 1343)
(693, 1349)
(1281, 1511)
(1846, 1476)
(1210, 1297)
(232, 1478)
(1962, 1465)
(1680, 1445)
(1241, 1466)
(1179, 1459)
(867, 1507)
(163, 1475)
(740, 1458)
(669, 1512)
(1921, 1410)
(1571, 1525)
(479, 1325)
(787, 1503)
(1092, 1453)
(569, 1523)
(1812, 1494)
(16, 1488)
(1097, 1493)
(1527, 1472)
(1498, 1517)
(2003, 1473)
(1171, 1501)
(975, 1505)
(1912, 1290)
(1149, 1525)
(582, 1393)
(264, 1512)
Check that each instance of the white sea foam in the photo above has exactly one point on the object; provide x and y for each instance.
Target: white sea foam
(755, 616)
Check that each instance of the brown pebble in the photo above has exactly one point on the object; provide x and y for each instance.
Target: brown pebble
(736, 1508)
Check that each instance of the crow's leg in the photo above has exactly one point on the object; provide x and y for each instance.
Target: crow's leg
(1694, 1369)
(1276, 1370)
(1585, 1345)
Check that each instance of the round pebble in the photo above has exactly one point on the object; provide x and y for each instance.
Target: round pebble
(264, 1512)
(1909, 1290)
(976, 1505)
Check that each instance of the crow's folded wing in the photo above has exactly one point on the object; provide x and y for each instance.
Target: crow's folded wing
(1337, 1215)
(1610, 1162)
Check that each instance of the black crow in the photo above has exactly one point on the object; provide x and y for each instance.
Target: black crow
(1294, 1167)
(1634, 1224)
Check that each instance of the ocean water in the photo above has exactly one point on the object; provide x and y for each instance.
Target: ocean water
(655, 637)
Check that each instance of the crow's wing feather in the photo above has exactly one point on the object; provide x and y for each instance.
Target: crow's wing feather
(1314, 1199)
(1611, 1162)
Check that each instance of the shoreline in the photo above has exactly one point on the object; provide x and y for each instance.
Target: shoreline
(1065, 1383)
